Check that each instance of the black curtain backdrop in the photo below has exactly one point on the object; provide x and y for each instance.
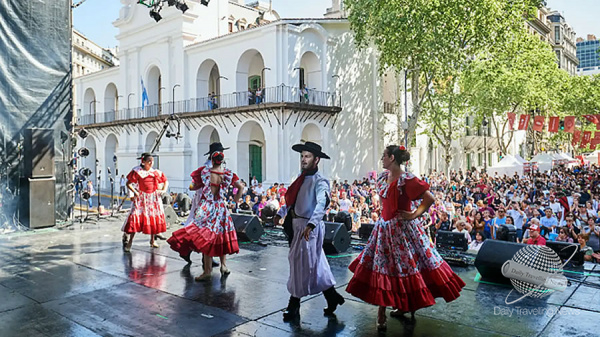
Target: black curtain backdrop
(35, 92)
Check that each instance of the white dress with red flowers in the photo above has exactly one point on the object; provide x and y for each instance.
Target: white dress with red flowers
(147, 214)
(400, 267)
(211, 230)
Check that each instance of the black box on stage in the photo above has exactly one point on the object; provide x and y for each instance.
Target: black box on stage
(39, 195)
(491, 257)
(248, 227)
(365, 229)
(38, 150)
(564, 250)
(451, 241)
(337, 238)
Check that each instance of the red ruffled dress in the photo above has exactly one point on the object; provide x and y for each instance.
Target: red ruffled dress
(400, 267)
(147, 214)
(211, 230)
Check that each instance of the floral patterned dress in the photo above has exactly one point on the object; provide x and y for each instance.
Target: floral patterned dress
(399, 267)
(147, 214)
(210, 230)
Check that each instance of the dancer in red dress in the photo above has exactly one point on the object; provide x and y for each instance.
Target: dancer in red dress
(399, 267)
(210, 230)
(147, 214)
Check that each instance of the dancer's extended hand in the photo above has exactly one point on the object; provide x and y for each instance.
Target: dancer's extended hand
(306, 232)
(408, 215)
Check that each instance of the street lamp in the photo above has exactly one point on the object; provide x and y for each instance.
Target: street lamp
(262, 78)
(484, 123)
(175, 86)
(93, 112)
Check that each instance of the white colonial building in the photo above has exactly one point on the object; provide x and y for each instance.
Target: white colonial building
(199, 68)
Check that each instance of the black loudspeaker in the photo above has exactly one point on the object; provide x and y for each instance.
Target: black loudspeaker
(337, 238)
(40, 197)
(267, 213)
(170, 215)
(248, 227)
(564, 250)
(345, 218)
(507, 233)
(365, 229)
(38, 149)
(451, 240)
(491, 257)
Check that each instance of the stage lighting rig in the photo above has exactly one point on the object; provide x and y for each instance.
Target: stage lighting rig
(157, 5)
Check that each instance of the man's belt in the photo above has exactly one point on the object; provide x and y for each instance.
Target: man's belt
(294, 215)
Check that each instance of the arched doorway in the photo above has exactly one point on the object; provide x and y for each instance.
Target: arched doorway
(150, 140)
(110, 150)
(208, 82)
(207, 136)
(310, 75)
(111, 102)
(250, 74)
(311, 133)
(153, 88)
(88, 110)
(251, 150)
(90, 160)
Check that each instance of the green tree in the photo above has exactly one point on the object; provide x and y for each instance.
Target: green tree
(435, 39)
(519, 75)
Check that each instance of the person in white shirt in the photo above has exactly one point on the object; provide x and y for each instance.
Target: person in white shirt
(123, 186)
(259, 190)
(460, 228)
(344, 202)
(254, 182)
(478, 242)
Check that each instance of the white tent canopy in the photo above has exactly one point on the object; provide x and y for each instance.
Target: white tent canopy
(544, 161)
(509, 165)
(593, 157)
(520, 159)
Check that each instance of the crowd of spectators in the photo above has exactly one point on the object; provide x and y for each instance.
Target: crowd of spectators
(561, 205)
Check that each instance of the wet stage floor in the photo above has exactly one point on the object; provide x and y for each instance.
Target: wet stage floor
(78, 282)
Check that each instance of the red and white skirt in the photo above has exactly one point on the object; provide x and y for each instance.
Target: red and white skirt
(147, 215)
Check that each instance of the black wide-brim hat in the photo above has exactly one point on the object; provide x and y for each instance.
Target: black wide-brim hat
(145, 154)
(216, 147)
(311, 147)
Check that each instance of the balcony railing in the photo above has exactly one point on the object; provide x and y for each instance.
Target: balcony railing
(279, 94)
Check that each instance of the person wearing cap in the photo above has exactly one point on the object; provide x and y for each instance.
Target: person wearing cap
(147, 214)
(534, 236)
(210, 229)
(307, 199)
(399, 266)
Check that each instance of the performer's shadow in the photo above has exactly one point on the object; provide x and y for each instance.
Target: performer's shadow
(333, 327)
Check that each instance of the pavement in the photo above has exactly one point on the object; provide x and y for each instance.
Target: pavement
(77, 281)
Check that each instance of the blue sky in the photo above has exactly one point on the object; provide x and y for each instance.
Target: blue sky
(94, 17)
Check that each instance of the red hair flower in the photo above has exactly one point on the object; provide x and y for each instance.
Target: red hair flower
(402, 148)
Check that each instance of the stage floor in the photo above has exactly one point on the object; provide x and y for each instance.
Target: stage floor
(77, 281)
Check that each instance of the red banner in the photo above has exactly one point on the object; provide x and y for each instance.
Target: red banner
(538, 123)
(598, 128)
(524, 122)
(570, 124)
(591, 118)
(553, 124)
(593, 146)
(511, 120)
(587, 136)
(576, 137)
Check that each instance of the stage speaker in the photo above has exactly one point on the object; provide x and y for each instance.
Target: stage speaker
(365, 229)
(345, 218)
(40, 197)
(167, 199)
(337, 238)
(564, 250)
(170, 215)
(248, 227)
(38, 149)
(491, 257)
(507, 233)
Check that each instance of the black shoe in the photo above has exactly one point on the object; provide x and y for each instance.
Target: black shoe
(293, 309)
(333, 299)
(187, 257)
(215, 263)
(160, 236)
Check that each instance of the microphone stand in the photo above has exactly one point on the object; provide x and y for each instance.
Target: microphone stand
(98, 189)
(112, 188)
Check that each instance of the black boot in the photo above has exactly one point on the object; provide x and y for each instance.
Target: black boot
(333, 299)
(214, 263)
(293, 309)
(187, 257)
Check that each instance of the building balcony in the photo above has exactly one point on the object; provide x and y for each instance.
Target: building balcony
(273, 98)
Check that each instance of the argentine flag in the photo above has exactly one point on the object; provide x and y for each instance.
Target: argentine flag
(145, 100)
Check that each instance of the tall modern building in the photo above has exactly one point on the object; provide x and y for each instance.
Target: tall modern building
(562, 39)
(588, 53)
